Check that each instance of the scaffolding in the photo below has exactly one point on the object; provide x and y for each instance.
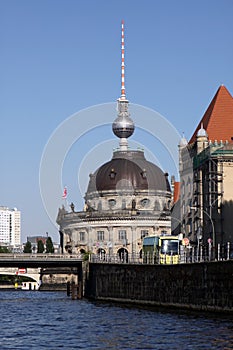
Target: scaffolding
(208, 193)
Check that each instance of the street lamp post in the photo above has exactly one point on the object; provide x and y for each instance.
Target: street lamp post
(181, 234)
(180, 222)
(204, 211)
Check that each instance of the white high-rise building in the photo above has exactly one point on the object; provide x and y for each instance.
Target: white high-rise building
(10, 226)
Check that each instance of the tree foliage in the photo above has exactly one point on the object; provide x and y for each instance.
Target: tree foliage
(49, 245)
(40, 246)
(27, 247)
(4, 250)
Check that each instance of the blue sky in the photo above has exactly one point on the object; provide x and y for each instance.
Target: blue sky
(61, 56)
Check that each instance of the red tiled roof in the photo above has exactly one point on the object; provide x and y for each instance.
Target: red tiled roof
(176, 194)
(218, 118)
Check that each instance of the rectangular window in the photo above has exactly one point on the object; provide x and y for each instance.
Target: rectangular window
(122, 235)
(82, 236)
(144, 233)
(100, 235)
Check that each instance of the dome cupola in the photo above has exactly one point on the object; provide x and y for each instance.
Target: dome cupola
(183, 141)
(202, 132)
(128, 171)
(202, 139)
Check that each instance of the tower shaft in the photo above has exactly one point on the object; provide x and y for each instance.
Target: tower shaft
(122, 60)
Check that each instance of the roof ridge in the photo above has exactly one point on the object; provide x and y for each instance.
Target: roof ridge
(210, 120)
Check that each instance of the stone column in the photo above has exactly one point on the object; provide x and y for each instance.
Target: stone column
(89, 239)
(110, 240)
(133, 241)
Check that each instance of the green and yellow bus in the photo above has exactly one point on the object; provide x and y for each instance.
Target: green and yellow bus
(164, 249)
(169, 251)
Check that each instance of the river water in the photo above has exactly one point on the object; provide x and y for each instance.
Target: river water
(51, 320)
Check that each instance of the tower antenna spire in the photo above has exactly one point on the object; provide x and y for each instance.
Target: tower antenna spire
(123, 125)
(122, 60)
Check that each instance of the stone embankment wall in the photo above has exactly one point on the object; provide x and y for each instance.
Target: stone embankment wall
(200, 286)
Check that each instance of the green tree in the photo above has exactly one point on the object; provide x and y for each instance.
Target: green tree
(27, 247)
(40, 246)
(49, 245)
(4, 250)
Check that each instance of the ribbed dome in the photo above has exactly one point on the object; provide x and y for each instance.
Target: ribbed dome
(202, 132)
(183, 142)
(128, 171)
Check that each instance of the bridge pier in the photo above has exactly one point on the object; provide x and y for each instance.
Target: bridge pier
(75, 290)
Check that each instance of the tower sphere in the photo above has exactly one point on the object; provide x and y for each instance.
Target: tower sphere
(123, 127)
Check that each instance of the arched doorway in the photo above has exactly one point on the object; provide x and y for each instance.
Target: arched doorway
(123, 254)
(102, 253)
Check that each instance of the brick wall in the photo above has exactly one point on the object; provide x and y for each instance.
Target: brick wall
(201, 286)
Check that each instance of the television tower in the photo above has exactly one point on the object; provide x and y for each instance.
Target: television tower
(123, 125)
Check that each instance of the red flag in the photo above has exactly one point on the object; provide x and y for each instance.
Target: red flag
(64, 193)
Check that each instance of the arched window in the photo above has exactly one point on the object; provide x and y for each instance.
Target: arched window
(123, 204)
(183, 188)
(123, 254)
(189, 185)
(102, 253)
(157, 205)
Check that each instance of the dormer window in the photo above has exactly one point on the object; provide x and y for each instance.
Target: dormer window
(145, 202)
(111, 203)
(144, 174)
(112, 174)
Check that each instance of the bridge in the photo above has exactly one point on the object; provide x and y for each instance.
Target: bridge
(32, 273)
(37, 266)
(39, 260)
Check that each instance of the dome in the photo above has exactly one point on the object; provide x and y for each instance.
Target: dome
(202, 132)
(128, 171)
(183, 141)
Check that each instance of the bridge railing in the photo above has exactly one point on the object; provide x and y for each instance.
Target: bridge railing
(31, 256)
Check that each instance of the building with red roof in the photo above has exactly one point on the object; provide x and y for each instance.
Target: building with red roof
(206, 177)
(218, 118)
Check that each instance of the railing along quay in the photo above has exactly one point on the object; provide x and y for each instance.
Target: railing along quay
(145, 261)
(186, 257)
